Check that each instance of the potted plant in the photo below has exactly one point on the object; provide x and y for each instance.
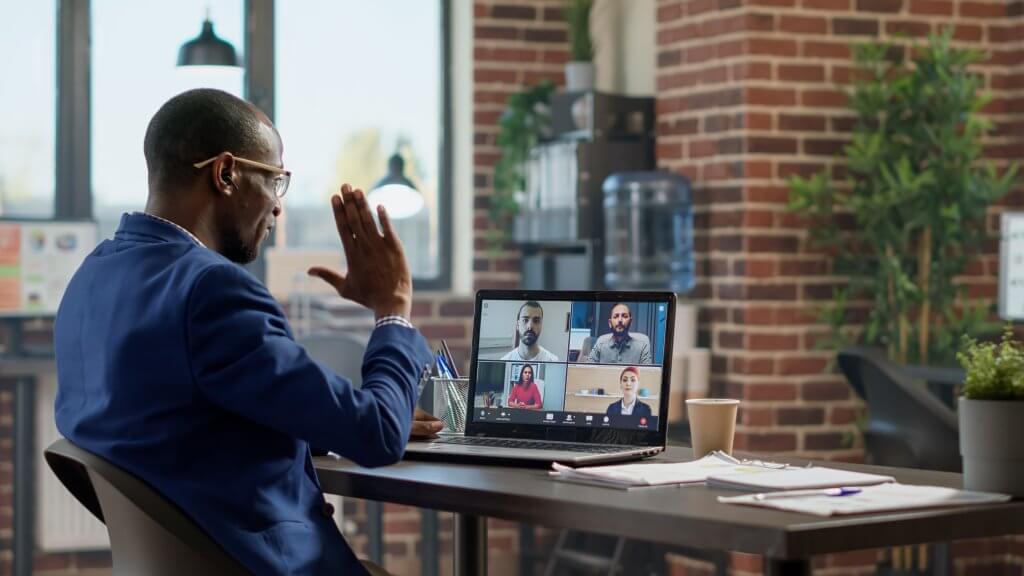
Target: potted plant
(522, 125)
(992, 415)
(903, 224)
(579, 71)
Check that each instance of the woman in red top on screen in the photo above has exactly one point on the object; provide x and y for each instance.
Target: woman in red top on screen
(525, 393)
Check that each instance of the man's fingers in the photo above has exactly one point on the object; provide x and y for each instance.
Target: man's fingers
(425, 429)
(338, 207)
(333, 278)
(352, 220)
(421, 414)
(365, 216)
(385, 225)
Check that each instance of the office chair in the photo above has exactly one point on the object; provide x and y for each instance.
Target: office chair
(907, 425)
(910, 427)
(149, 535)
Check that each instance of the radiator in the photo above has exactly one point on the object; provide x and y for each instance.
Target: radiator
(61, 522)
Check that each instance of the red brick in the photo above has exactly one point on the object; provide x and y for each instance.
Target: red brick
(504, 11)
(825, 50)
(801, 123)
(433, 331)
(983, 9)
(827, 441)
(823, 98)
(931, 7)
(760, 219)
(773, 244)
(505, 54)
(757, 121)
(669, 12)
(854, 27)
(772, 342)
(882, 6)
(423, 308)
(545, 35)
(770, 97)
(767, 442)
(768, 145)
(755, 366)
(771, 47)
(801, 72)
(755, 169)
(803, 25)
(791, 366)
(837, 5)
(756, 416)
(555, 56)
(496, 33)
(911, 29)
(817, 147)
(843, 415)
(800, 416)
(967, 33)
(772, 194)
(825, 391)
(491, 75)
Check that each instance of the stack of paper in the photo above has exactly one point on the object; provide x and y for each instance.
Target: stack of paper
(794, 479)
(636, 475)
(880, 498)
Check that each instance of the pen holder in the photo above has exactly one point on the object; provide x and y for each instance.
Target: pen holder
(451, 396)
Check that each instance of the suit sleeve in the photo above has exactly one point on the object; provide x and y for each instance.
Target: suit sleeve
(244, 360)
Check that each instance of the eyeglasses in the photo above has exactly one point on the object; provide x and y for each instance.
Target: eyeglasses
(284, 177)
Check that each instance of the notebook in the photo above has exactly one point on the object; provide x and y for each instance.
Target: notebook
(641, 475)
(795, 479)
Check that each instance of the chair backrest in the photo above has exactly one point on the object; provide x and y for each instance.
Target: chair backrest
(342, 352)
(149, 535)
(907, 425)
(585, 347)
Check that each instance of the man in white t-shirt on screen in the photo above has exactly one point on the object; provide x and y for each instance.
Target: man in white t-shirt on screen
(529, 323)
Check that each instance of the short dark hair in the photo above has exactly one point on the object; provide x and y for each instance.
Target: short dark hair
(616, 305)
(196, 125)
(530, 304)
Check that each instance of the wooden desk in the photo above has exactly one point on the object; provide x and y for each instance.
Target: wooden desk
(684, 516)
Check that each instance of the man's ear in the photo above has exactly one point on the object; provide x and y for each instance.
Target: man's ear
(224, 173)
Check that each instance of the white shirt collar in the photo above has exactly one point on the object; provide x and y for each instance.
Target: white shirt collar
(165, 221)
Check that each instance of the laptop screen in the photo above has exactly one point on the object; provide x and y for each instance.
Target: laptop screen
(572, 362)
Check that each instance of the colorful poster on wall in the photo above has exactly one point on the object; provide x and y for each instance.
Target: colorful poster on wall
(37, 260)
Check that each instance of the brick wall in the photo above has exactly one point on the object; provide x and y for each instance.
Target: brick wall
(749, 94)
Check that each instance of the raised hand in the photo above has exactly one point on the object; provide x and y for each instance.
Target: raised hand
(378, 275)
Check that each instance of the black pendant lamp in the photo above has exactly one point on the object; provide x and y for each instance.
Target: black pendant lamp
(395, 192)
(207, 49)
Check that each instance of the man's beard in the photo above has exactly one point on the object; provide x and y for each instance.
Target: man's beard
(235, 249)
(529, 337)
(622, 330)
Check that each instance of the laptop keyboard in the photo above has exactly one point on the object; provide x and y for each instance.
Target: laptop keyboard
(534, 444)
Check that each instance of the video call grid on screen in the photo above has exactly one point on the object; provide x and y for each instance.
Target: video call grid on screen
(577, 371)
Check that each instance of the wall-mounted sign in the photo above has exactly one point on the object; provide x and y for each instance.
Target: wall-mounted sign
(37, 260)
(1011, 267)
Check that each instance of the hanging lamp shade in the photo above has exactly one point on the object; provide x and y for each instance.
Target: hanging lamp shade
(395, 192)
(207, 49)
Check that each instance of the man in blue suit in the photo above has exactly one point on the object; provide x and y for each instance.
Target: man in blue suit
(177, 365)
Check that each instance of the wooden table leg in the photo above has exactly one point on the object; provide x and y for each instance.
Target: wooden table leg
(470, 545)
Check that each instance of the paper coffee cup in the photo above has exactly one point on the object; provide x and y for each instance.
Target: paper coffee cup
(712, 424)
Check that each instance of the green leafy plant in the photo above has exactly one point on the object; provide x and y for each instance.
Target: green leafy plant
(577, 16)
(911, 211)
(524, 122)
(995, 371)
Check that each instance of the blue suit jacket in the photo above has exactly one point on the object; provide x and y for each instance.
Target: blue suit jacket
(178, 365)
(639, 409)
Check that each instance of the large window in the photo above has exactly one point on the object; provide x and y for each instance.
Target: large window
(134, 55)
(357, 82)
(28, 100)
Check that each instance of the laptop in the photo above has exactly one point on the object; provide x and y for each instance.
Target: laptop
(578, 378)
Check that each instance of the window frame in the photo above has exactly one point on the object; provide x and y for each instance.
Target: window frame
(73, 195)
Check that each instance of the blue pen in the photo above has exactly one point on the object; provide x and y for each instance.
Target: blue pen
(844, 491)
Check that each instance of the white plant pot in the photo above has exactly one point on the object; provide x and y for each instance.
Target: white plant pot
(579, 76)
(991, 447)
